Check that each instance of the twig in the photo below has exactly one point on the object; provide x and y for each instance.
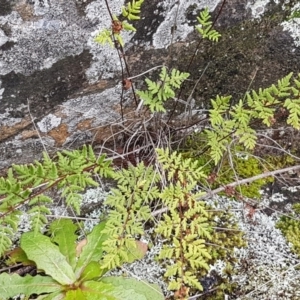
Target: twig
(233, 184)
(248, 180)
(37, 131)
(154, 68)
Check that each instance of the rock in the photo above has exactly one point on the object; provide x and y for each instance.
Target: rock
(3, 38)
(52, 71)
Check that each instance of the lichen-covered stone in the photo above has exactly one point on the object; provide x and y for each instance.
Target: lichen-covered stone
(50, 65)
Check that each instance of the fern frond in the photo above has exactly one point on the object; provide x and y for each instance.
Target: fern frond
(38, 218)
(161, 91)
(8, 227)
(129, 202)
(217, 145)
(71, 172)
(247, 137)
(133, 10)
(104, 37)
(185, 228)
(128, 27)
(205, 26)
(5, 240)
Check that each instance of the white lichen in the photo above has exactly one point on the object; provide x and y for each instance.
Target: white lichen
(293, 26)
(94, 196)
(48, 122)
(266, 268)
(3, 38)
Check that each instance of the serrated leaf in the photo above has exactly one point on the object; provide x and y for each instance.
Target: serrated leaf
(13, 284)
(47, 257)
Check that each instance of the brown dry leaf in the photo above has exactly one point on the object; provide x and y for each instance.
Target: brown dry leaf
(79, 246)
(126, 84)
(142, 247)
(117, 26)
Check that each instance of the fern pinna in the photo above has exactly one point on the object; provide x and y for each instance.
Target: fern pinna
(159, 92)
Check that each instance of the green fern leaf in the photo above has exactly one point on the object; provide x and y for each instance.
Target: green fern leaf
(104, 37)
(133, 9)
(205, 26)
(128, 27)
(293, 107)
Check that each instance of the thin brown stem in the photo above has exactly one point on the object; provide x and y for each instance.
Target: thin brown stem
(192, 59)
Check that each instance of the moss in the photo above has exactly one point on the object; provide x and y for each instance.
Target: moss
(242, 167)
(281, 161)
(290, 227)
(225, 238)
(247, 168)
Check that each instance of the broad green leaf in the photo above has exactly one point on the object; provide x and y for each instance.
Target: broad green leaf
(137, 252)
(93, 250)
(63, 232)
(12, 285)
(47, 257)
(129, 289)
(76, 294)
(52, 296)
(94, 290)
(91, 271)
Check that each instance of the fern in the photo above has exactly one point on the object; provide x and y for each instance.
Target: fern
(71, 173)
(8, 227)
(129, 210)
(104, 37)
(132, 11)
(160, 91)
(205, 27)
(260, 105)
(187, 227)
(110, 35)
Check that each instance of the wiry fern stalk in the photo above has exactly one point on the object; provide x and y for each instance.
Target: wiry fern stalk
(129, 210)
(71, 173)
